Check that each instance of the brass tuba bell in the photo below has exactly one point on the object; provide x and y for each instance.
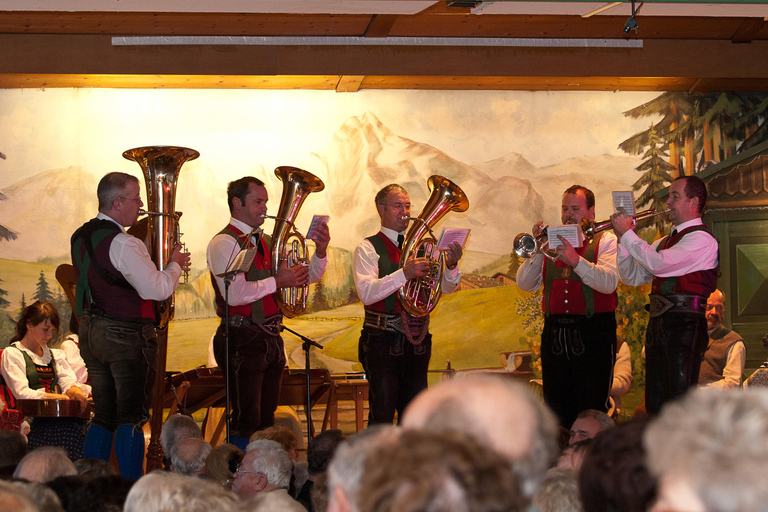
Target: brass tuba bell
(420, 295)
(287, 243)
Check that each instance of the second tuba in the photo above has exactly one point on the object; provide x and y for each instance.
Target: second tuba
(287, 243)
(420, 295)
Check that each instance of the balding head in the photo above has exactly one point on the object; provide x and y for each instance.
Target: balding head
(496, 411)
(45, 464)
(188, 456)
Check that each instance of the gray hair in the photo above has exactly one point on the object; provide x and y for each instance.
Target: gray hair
(45, 464)
(381, 195)
(600, 417)
(188, 456)
(346, 468)
(110, 187)
(177, 428)
(717, 441)
(272, 461)
(161, 491)
(13, 497)
(559, 492)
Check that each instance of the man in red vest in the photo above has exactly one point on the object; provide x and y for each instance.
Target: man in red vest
(578, 343)
(395, 346)
(683, 268)
(257, 357)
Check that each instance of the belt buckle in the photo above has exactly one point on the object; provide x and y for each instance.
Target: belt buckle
(236, 321)
(659, 306)
(381, 322)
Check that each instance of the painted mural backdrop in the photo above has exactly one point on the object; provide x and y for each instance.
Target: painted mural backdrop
(513, 153)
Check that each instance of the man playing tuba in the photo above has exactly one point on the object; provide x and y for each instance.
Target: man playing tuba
(117, 282)
(578, 343)
(257, 357)
(395, 346)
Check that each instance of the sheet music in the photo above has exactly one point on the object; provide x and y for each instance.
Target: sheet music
(450, 235)
(626, 200)
(317, 220)
(241, 263)
(571, 232)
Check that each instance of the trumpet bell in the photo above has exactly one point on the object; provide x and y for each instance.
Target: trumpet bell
(526, 246)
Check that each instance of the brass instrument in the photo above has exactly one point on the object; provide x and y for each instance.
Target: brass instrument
(590, 229)
(161, 166)
(287, 243)
(526, 246)
(420, 295)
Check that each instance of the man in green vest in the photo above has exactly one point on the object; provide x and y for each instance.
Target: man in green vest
(395, 346)
(726, 354)
(578, 343)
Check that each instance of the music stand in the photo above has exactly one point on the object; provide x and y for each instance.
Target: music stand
(308, 343)
(241, 263)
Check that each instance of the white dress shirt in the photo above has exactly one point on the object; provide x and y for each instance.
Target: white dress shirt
(371, 289)
(223, 249)
(14, 370)
(602, 276)
(72, 352)
(129, 255)
(640, 262)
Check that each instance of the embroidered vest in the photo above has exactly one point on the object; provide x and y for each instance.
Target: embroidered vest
(702, 282)
(389, 263)
(99, 283)
(564, 292)
(257, 311)
(40, 376)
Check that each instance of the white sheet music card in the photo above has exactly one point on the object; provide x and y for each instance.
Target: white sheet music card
(317, 220)
(571, 232)
(243, 260)
(451, 235)
(624, 200)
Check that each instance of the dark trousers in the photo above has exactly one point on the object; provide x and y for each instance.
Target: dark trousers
(121, 360)
(396, 371)
(674, 345)
(256, 363)
(577, 358)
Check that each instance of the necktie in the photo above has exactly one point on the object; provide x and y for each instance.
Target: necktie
(400, 239)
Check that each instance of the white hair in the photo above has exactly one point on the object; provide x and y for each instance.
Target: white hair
(273, 461)
(161, 491)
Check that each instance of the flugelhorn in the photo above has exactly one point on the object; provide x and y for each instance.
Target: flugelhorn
(526, 246)
(420, 295)
(590, 228)
(287, 243)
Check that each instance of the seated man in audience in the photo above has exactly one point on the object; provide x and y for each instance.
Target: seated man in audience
(319, 454)
(710, 452)
(503, 414)
(559, 492)
(175, 429)
(45, 464)
(726, 353)
(588, 424)
(162, 491)
(188, 457)
(266, 473)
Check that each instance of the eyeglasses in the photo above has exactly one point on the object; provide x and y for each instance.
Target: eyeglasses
(239, 471)
(399, 206)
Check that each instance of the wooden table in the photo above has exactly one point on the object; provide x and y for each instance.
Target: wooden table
(352, 390)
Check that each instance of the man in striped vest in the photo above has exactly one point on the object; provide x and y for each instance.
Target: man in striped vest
(682, 268)
(578, 343)
(395, 346)
(256, 354)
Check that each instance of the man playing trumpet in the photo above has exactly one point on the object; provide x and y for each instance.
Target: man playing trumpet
(578, 344)
(683, 268)
(394, 347)
(256, 353)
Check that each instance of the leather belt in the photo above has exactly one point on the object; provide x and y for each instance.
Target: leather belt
(383, 321)
(676, 303)
(271, 326)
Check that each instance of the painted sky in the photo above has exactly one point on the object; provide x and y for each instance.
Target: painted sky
(236, 131)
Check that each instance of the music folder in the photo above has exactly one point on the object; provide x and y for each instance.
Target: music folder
(241, 263)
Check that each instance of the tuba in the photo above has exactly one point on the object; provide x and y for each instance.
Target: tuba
(420, 295)
(161, 166)
(287, 243)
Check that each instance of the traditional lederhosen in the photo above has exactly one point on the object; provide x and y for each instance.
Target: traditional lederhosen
(578, 346)
(676, 336)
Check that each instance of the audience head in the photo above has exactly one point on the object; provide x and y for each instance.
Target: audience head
(710, 451)
(44, 498)
(44, 464)
(321, 449)
(614, 475)
(176, 428)
(188, 456)
(94, 468)
(13, 448)
(101, 494)
(559, 492)
(15, 499)
(498, 412)
(715, 309)
(572, 456)
(265, 468)
(221, 464)
(161, 491)
(446, 471)
(66, 487)
(282, 435)
(588, 424)
(345, 471)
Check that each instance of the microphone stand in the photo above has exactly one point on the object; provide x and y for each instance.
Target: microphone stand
(308, 344)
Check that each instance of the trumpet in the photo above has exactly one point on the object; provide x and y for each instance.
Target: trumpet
(527, 246)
